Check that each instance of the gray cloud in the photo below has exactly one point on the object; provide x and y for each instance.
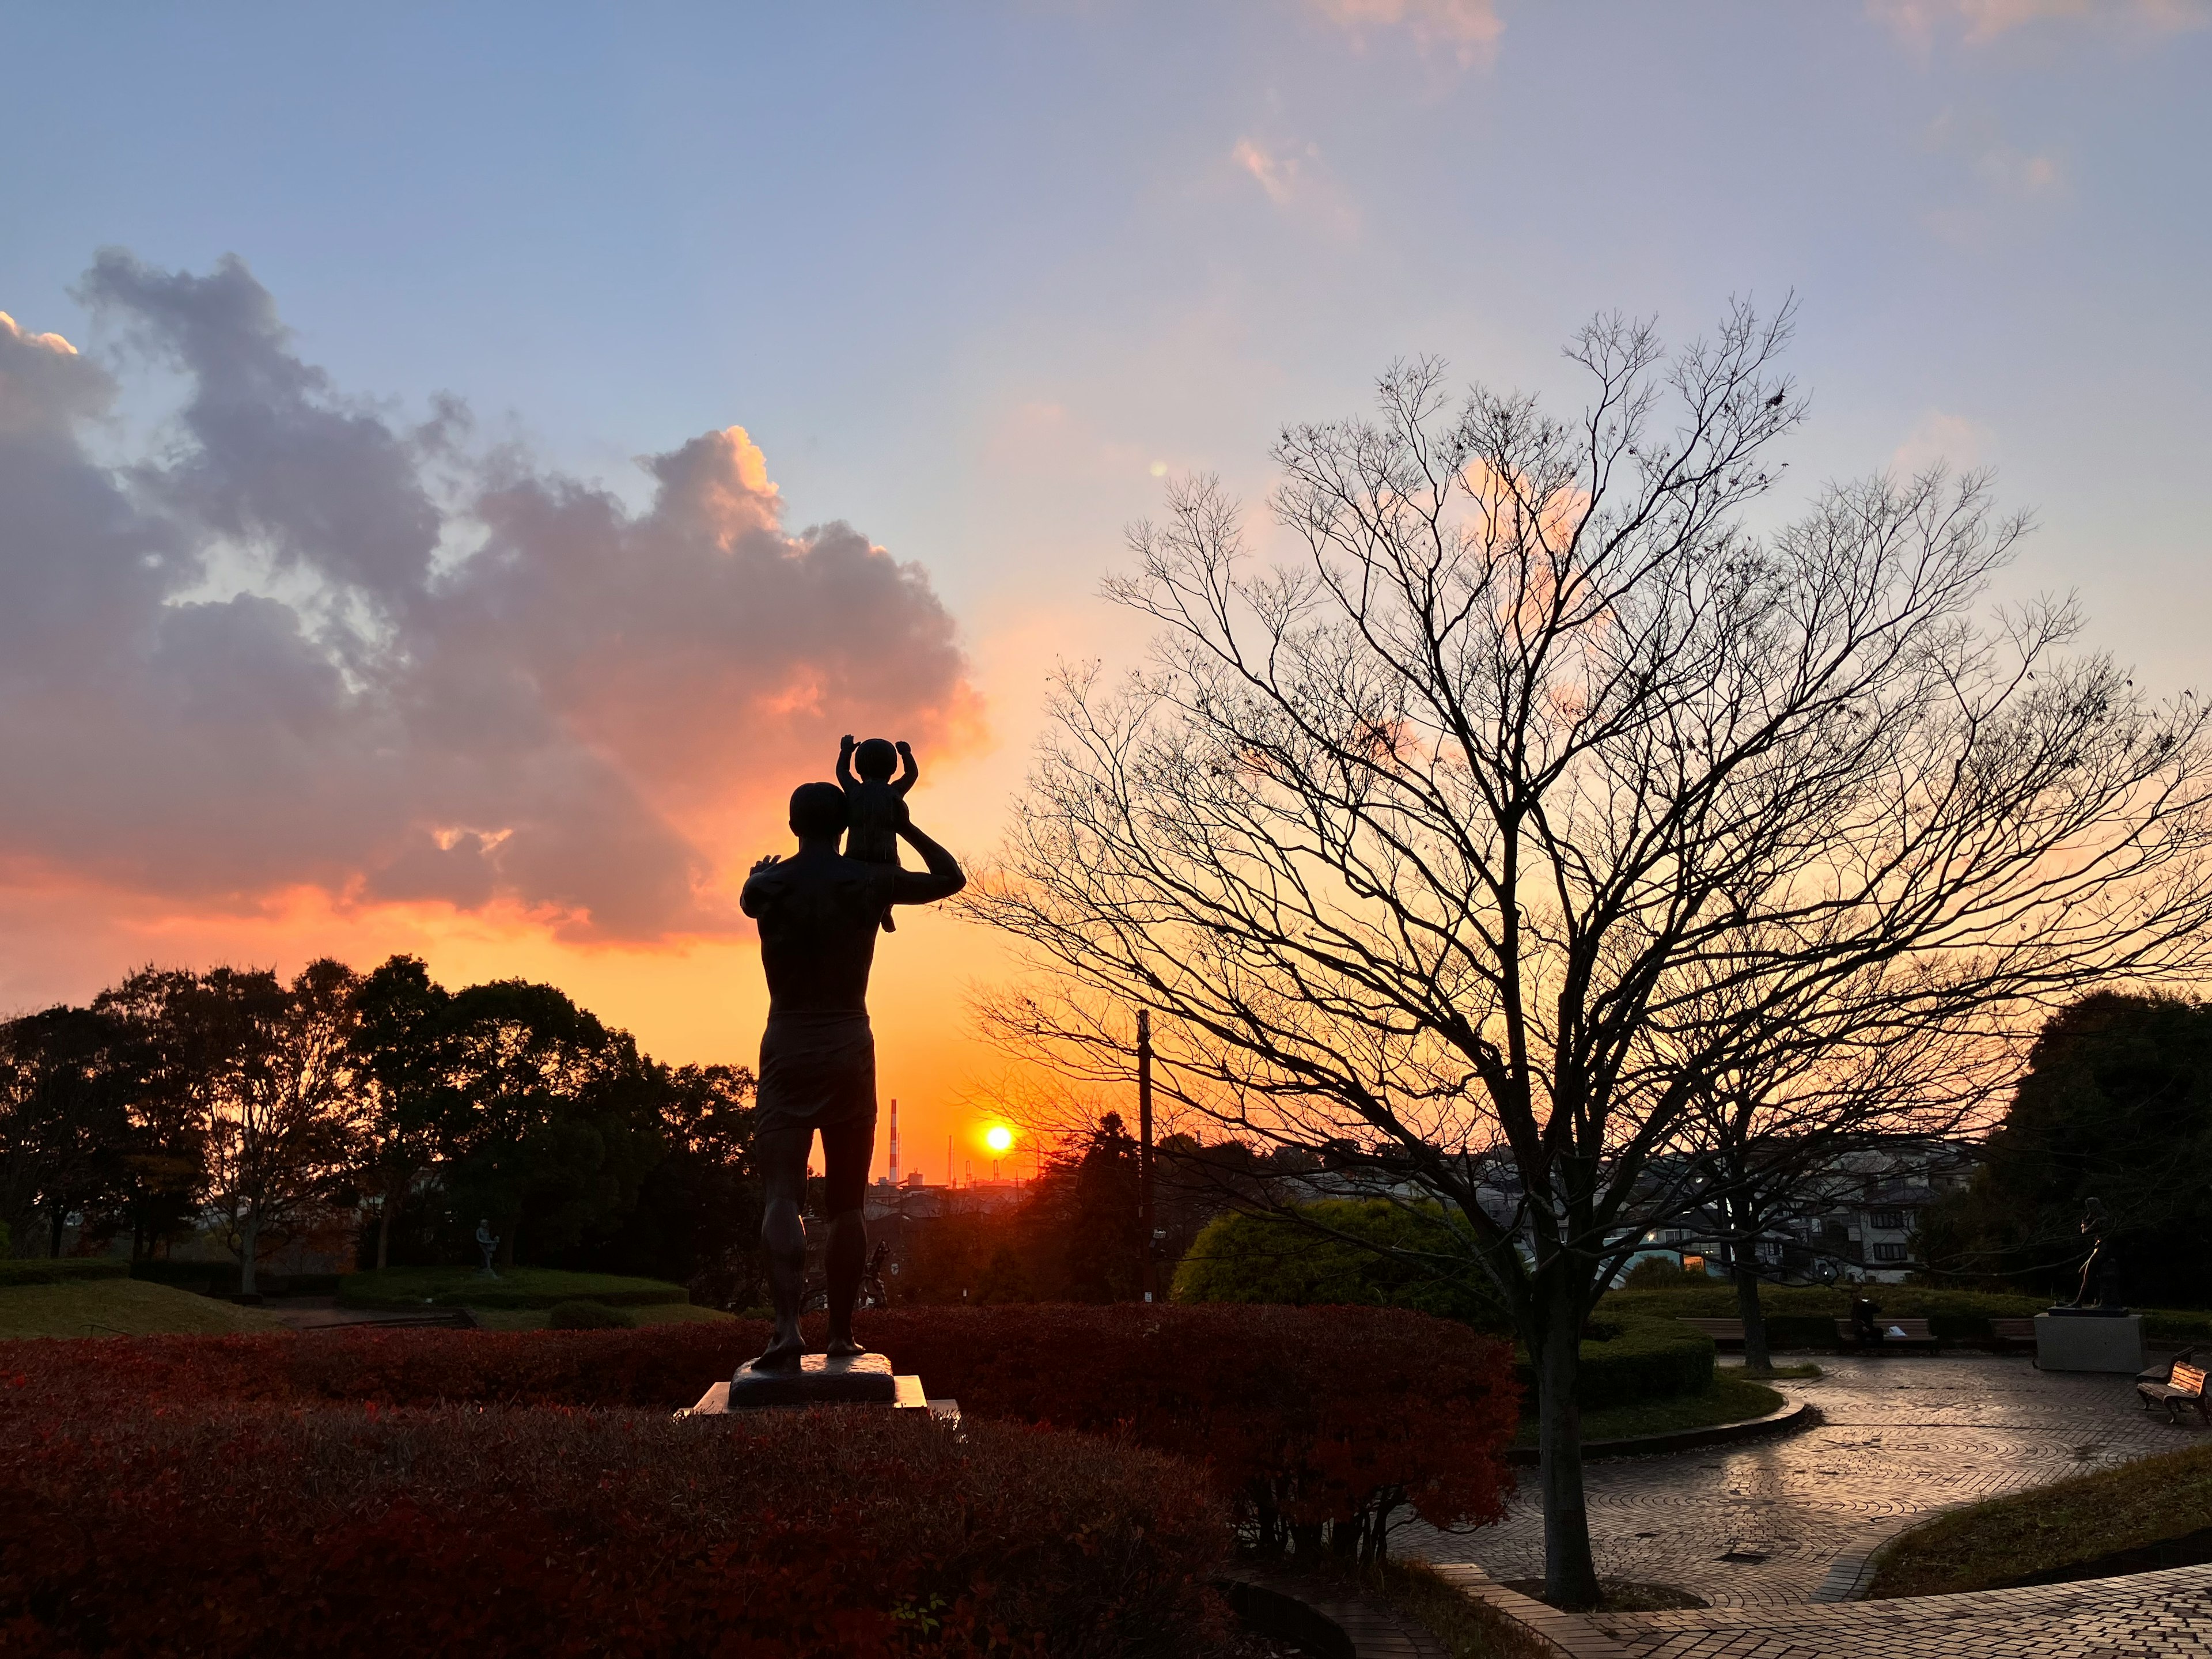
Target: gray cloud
(566, 715)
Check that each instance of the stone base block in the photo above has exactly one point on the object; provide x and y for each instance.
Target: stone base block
(2089, 1342)
(864, 1380)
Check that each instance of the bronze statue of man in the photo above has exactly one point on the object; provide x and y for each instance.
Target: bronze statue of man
(819, 912)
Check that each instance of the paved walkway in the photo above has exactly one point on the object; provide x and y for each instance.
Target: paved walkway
(1772, 1533)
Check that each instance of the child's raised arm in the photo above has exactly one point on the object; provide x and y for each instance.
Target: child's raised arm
(908, 770)
(845, 763)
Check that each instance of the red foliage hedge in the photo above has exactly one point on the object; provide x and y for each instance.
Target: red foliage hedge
(1307, 1415)
(242, 1528)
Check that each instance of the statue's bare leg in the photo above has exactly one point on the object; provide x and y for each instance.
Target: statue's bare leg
(847, 1151)
(781, 1155)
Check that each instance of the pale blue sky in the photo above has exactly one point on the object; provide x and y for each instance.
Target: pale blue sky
(872, 234)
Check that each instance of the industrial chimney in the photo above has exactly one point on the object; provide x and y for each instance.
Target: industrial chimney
(895, 1168)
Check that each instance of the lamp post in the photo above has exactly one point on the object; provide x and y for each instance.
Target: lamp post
(1145, 1146)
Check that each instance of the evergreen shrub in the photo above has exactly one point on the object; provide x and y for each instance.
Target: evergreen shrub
(62, 1270)
(589, 1316)
(1309, 1419)
(228, 1527)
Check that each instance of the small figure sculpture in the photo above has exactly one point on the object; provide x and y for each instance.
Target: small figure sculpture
(875, 805)
(488, 1242)
(818, 912)
(2100, 1275)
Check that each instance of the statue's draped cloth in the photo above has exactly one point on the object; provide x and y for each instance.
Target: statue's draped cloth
(817, 1070)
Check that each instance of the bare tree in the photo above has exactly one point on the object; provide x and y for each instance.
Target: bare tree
(1476, 839)
(1773, 1130)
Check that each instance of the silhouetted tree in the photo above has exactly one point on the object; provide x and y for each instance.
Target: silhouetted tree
(2116, 1104)
(1468, 842)
(64, 1121)
(555, 1123)
(406, 1052)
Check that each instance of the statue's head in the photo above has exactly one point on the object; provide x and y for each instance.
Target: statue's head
(819, 811)
(875, 760)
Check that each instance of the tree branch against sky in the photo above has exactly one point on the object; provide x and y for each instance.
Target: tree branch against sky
(1537, 788)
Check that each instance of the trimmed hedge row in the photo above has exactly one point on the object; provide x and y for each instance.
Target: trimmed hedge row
(539, 1532)
(1310, 1418)
(1636, 1357)
(1804, 1315)
(394, 1288)
(62, 1270)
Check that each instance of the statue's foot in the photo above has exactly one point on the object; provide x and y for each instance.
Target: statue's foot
(842, 1347)
(782, 1355)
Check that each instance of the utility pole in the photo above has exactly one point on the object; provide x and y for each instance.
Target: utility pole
(1145, 1146)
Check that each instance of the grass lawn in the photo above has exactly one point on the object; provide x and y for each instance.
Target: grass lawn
(654, 1313)
(121, 1307)
(1731, 1399)
(515, 1288)
(2085, 1519)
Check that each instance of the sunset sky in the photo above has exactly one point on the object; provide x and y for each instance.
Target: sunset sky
(460, 465)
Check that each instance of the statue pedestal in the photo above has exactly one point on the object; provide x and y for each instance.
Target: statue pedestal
(861, 1380)
(2089, 1339)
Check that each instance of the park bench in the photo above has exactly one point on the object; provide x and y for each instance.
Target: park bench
(2183, 1391)
(1723, 1332)
(2004, 1333)
(1895, 1333)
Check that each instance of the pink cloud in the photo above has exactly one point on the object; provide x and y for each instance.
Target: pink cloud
(1468, 30)
(311, 648)
(1920, 22)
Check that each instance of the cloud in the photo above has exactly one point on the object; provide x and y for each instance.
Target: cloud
(1468, 30)
(305, 646)
(1295, 181)
(1919, 23)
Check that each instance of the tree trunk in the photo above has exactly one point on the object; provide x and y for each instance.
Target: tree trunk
(1755, 1357)
(1569, 1572)
(249, 1246)
(54, 1240)
(506, 1242)
(383, 1232)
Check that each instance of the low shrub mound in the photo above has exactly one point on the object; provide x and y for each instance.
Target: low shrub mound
(1630, 1359)
(1316, 1423)
(515, 1287)
(542, 1532)
(62, 1270)
(1287, 1259)
(589, 1316)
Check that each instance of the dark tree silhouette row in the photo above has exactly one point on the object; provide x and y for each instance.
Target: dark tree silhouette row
(263, 1112)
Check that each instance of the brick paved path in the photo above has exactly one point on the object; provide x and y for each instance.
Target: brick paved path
(1756, 1529)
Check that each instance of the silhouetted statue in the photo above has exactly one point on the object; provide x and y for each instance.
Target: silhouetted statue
(2101, 1275)
(488, 1242)
(875, 805)
(818, 912)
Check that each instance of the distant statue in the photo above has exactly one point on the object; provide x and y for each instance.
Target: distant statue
(818, 912)
(2100, 1274)
(488, 1242)
(875, 805)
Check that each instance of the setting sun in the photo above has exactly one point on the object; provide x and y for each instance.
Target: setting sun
(998, 1137)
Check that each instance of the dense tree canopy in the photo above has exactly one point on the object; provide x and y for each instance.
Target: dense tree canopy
(2116, 1105)
(241, 1108)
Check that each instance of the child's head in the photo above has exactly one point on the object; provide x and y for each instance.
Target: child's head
(875, 760)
